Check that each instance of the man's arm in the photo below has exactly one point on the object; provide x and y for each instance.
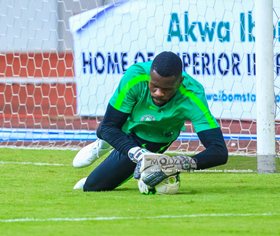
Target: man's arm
(216, 152)
(110, 130)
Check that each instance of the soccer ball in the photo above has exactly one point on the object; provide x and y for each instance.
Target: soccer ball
(170, 185)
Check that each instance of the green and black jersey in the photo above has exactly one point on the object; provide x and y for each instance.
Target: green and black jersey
(160, 124)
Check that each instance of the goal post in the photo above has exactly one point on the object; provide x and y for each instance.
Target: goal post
(266, 152)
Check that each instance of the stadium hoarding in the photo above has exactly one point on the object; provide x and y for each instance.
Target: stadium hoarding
(215, 41)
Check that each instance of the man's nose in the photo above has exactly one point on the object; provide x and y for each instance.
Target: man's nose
(158, 92)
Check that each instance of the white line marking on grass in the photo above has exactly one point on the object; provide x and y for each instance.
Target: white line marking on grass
(31, 163)
(115, 218)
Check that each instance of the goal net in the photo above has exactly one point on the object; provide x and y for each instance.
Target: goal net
(60, 62)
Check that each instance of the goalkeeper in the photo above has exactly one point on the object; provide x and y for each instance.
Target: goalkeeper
(146, 114)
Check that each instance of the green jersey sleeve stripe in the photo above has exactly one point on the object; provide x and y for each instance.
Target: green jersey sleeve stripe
(127, 87)
(212, 122)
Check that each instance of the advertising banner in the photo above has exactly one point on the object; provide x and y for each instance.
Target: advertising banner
(215, 40)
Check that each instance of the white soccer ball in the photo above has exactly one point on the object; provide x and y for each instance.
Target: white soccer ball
(170, 185)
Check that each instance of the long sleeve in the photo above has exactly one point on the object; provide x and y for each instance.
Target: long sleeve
(216, 152)
(110, 130)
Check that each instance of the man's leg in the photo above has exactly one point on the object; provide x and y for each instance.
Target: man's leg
(114, 170)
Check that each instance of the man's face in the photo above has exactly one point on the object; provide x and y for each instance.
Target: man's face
(163, 88)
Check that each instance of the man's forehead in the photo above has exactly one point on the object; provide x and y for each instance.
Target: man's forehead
(159, 80)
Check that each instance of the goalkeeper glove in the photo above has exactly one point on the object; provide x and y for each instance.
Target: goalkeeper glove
(182, 164)
(166, 167)
(136, 155)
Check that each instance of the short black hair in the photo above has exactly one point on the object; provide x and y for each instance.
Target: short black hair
(167, 64)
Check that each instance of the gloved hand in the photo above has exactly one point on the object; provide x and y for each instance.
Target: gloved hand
(136, 155)
(181, 164)
(165, 166)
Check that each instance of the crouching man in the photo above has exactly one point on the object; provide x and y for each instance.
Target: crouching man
(144, 117)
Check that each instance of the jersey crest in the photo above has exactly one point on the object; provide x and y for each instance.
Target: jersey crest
(148, 118)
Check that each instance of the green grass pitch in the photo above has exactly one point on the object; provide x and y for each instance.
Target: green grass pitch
(36, 198)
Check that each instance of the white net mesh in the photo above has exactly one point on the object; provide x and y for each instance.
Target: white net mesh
(57, 75)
